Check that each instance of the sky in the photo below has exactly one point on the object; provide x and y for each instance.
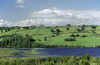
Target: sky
(49, 12)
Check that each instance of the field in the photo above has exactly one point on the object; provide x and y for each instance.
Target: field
(91, 40)
(39, 34)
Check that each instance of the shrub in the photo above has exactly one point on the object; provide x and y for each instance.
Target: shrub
(52, 35)
(77, 35)
(67, 28)
(57, 34)
(58, 30)
(83, 36)
(72, 39)
(78, 30)
(18, 28)
(69, 39)
(52, 30)
(72, 35)
(87, 57)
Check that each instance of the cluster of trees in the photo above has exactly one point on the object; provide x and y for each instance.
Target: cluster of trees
(6, 29)
(93, 27)
(70, 39)
(82, 28)
(17, 41)
(57, 32)
(67, 28)
(68, 60)
(77, 35)
(25, 27)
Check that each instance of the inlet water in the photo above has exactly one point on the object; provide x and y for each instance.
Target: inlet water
(63, 51)
(69, 51)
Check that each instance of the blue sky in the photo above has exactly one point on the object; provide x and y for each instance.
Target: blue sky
(48, 12)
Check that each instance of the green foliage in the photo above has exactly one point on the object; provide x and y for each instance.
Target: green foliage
(67, 28)
(77, 35)
(52, 30)
(69, 39)
(72, 35)
(17, 41)
(52, 35)
(58, 30)
(93, 27)
(25, 27)
(87, 57)
(68, 60)
(68, 25)
(83, 35)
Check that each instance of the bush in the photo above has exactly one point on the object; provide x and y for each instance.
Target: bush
(57, 30)
(18, 28)
(77, 35)
(52, 35)
(69, 39)
(67, 28)
(52, 30)
(84, 36)
(57, 34)
(72, 35)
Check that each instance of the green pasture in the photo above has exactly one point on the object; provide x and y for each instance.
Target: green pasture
(59, 40)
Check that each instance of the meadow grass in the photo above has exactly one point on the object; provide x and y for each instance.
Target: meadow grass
(59, 40)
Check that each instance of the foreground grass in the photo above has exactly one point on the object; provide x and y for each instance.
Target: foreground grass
(68, 60)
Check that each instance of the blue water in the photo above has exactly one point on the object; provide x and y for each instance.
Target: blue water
(70, 51)
(63, 52)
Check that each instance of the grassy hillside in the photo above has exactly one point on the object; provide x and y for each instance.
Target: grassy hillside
(90, 40)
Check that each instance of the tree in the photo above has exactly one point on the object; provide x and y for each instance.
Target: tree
(52, 30)
(45, 38)
(58, 30)
(93, 27)
(78, 30)
(26, 27)
(83, 25)
(68, 25)
(73, 36)
(87, 57)
(67, 28)
(6, 30)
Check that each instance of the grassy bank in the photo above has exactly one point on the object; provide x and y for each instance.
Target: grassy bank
(68, 60)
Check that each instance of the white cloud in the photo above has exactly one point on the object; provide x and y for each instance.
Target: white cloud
(20, 1)
(19, 6)
(55, 16)
(68, 16)
(5, 23)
